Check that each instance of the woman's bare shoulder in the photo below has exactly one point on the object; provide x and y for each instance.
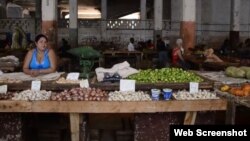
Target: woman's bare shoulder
(31, 51)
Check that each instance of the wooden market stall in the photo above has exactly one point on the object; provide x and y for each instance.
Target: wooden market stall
(220, 79)
(77, 109)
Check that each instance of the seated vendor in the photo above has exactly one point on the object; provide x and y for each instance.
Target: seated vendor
(41, 59)
(210, 56)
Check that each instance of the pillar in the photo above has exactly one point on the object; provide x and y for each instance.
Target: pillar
(234, 23)
(158, 17)
(73, 24)
(143, 10)
(188, 27)
(104, 19)
(49, 21)
(38, 16)
(143, 17)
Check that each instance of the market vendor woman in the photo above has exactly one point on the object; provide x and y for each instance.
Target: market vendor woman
(40, 60)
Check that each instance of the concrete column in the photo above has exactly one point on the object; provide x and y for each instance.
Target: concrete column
(104, 19)
(73, 24)
(235, 23)
(188, 27)
(38, 15)
(143, 10)
(158, 17)
(49, 21)
(143, 16)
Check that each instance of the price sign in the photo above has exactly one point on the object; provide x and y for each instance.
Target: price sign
(36, 85)
(84, 83)
(127, 85)
(73, 76)
(3, 89)
(193, 87)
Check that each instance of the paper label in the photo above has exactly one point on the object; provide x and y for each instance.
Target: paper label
(127, 85)
(36, 85)
(193, 87)
(84, 83)
(73, 76)
(3, 89)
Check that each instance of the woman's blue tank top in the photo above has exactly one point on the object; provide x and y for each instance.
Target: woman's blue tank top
(45, 64)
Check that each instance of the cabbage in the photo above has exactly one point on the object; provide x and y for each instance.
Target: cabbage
(230, 71)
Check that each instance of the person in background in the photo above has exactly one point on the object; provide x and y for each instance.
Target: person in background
(64, 48)
(40, 60)
(210, 56)
(131, 46)
(162, 52)
(178, 55)
(224, 49)
(168, 48)
(150, 45)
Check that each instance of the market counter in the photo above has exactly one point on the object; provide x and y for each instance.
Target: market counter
(75, 108)
(112, 106)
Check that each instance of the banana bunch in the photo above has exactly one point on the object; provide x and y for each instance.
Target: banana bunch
(18, 32)
(224, 88)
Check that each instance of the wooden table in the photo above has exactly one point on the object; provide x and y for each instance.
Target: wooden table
(76, 108)
(118, 54)
(200, 64)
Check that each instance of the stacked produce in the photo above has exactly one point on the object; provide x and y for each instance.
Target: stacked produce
(201, 94)
(62, 80)
(79, 94)
(165, 75)
(129, 96)
(6, 96)
(244, 90)
(32, 95)
(238, 72)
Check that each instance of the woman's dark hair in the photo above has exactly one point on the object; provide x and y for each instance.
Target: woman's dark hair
(39, 36)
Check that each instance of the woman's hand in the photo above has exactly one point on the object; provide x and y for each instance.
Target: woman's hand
(34, 73)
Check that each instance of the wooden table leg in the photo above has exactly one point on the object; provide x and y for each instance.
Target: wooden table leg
(75, 126)
(230, 113)
(190, 118)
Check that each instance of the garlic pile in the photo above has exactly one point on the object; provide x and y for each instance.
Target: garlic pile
(129, 96)
(202, 94)
(32, 95)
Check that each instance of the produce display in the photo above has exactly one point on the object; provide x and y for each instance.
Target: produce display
(238, 72)
(32, 95)
(6, 96)
(62, 80)
(79, 94)
(221, 77)
(129, 96)
(244, 90)
(176, 75)
(202, 94)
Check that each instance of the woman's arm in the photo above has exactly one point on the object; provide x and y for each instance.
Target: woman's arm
(216, 58)
(26, 63)
(53, 63)
(180, 55)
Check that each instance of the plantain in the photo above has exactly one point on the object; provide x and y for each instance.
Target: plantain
(224, 88)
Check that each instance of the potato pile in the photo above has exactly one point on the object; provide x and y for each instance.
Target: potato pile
(129, 96)
(80, 94)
